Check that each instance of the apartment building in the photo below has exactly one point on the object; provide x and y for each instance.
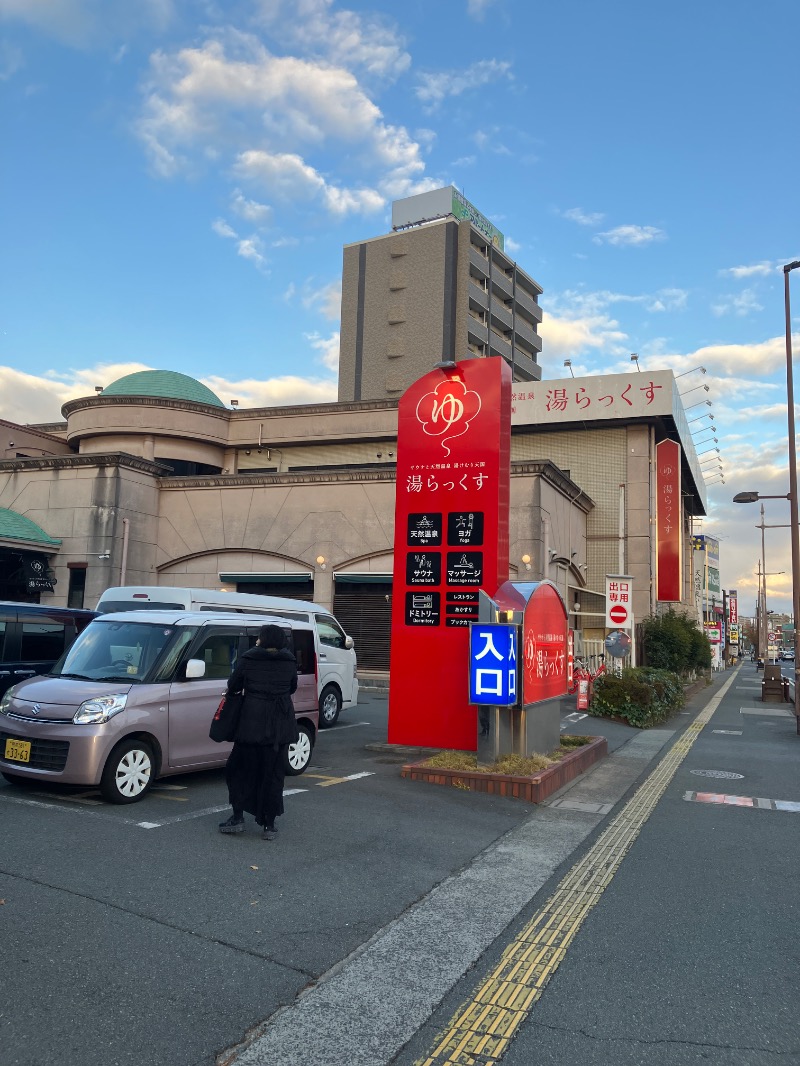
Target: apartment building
(438, 287)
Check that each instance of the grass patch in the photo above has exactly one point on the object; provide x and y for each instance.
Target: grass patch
(515, 765)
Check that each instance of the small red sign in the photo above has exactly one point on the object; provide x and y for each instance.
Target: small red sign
(618, 614)
(545, 645)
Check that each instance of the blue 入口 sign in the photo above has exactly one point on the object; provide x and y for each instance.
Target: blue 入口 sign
(493, 664)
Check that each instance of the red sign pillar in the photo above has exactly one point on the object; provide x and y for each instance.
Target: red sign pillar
(450, 541)
(669, 518)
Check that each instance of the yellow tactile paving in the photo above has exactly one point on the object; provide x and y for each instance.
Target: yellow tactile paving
(482, 1028)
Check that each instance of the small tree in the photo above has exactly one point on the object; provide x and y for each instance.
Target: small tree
(675, 642)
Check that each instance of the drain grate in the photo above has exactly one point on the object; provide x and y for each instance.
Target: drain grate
(726, 774)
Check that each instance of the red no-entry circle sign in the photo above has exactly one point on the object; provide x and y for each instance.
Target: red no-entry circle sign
(618, 614)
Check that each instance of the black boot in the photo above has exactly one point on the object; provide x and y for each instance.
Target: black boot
(270, 832)
(234, 824)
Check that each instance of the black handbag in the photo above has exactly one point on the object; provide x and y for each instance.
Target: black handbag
(226, 718)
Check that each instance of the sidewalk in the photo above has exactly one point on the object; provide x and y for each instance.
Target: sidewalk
(388, 993)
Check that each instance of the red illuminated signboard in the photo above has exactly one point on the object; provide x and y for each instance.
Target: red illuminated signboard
(544, 646)
(668, 521)
(451, 540)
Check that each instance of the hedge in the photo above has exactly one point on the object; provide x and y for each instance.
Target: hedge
(642, 696)
(675, 642)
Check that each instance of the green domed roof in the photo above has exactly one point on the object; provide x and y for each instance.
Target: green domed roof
(167, 384)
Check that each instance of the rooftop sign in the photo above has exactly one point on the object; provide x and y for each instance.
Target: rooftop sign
(439, 203)
(599, 397)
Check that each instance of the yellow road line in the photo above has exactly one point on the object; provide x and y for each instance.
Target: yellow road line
(483, 1027)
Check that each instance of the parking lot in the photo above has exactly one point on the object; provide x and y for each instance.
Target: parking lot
(112, 914)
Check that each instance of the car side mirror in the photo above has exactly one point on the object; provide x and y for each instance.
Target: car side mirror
(195, 668)
(348, 643)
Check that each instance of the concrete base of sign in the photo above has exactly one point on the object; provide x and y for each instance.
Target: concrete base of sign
(533, 789)
(495, 733)
(538, 728)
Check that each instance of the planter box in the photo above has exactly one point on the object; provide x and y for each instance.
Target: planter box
(533, 789)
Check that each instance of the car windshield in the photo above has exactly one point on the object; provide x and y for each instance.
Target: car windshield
(115, 651)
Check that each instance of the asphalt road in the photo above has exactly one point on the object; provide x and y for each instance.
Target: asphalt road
(140, 934)
(122, 944)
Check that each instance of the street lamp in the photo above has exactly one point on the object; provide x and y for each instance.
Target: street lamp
(707, 414)
(709, 403)
(702, 370)
(793, 510)
(568, 363)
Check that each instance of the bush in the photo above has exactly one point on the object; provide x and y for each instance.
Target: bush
(642, 696)
(675, 642)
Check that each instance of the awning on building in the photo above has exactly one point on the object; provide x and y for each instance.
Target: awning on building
(283, 578)
(17, 531)
(365, 577)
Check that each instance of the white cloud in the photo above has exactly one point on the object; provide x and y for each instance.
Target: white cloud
(572, 336)
(251, 248)
(743, 303)
(80, 23)
(274, 392)
(434, 88)
(512, 246)
(763, 270)
(584, 218)
(630, 235)
(327, 347)
(758, 360)
(464, 161)
(222, 229)
(288, 176)
(327, 299)
(231, 99)
(11, 60)
(476, 9)
(32, 399)
(577, 302)
(250, 210)
(344, 37)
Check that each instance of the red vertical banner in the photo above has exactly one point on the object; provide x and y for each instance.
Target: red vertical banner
(668, 521)
(450, 541)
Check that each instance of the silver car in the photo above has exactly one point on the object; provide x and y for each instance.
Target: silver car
(133, 698)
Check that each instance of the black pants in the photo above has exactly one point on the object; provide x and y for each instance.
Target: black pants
(254, 774)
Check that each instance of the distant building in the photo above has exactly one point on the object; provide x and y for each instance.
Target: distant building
(438, 287)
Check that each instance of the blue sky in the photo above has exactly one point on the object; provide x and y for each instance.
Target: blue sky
(178, 179)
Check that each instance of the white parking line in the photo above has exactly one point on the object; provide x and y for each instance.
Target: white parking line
(201, 814)
(19, 801)
(338, 728)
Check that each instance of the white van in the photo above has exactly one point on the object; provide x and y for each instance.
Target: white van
(336, 657)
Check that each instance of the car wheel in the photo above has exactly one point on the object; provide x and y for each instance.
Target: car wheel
(330, 703)
(128, 773)
(298, 755)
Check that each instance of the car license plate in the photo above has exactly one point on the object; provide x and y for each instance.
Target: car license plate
(18, 750)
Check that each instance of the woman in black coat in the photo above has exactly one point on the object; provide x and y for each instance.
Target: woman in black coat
(267, 674)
